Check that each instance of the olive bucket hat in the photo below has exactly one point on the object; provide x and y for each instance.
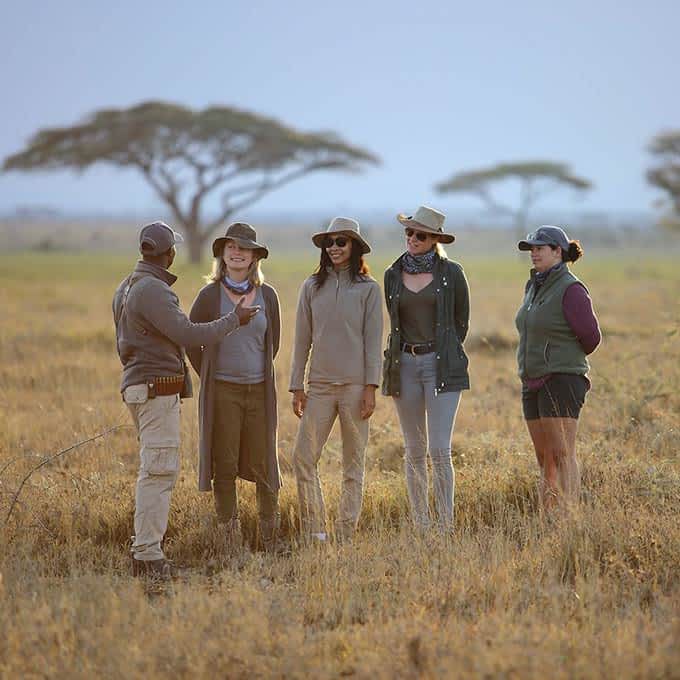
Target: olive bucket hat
(243, 234)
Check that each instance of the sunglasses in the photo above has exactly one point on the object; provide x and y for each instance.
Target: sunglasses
(419, 235)
(340, 241)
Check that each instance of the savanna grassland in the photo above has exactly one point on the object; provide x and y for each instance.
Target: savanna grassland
(513, 594)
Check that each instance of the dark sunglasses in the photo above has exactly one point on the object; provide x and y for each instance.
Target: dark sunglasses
(340, 241)
(419, 235)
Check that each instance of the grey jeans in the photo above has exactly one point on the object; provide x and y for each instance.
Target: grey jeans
(426, 418)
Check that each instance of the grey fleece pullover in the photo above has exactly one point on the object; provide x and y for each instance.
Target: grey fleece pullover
(341, 323)
(152, 330)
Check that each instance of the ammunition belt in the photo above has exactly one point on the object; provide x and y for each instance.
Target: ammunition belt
(165, 385)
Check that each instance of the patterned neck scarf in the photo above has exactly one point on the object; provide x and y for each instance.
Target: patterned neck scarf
(542, 277)
(238, 287)
(418, 264)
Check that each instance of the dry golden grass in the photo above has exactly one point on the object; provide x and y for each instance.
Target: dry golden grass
(595, 594)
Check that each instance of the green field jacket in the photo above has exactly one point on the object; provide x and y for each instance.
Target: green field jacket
(546, 342)
(452, 323)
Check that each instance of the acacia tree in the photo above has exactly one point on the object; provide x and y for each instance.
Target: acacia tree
(536, 179)
(187, 155)
(665, 147)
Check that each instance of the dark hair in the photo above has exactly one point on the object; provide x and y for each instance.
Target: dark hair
(357, 267)
(573, 253)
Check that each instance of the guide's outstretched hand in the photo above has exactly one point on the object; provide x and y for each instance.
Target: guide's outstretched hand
(245, 314)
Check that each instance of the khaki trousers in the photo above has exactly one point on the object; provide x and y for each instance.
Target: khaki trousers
(157, 423)
(325, 402)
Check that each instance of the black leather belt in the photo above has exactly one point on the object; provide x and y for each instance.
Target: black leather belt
(422, 348)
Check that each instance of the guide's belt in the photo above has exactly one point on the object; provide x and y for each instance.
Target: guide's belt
(165, 385)
(422, 348)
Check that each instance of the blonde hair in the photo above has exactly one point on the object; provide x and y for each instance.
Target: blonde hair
(439, 249)
(219, 269)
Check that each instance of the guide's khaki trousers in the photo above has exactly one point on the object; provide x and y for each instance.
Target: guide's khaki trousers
(157, 423)
(325, 402)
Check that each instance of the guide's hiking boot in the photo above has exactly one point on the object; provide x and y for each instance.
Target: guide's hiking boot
(160, 570)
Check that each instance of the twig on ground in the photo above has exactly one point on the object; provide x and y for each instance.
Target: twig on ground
(53, 457)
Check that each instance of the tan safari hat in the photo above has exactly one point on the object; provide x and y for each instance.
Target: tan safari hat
(429, 221)
(346, 226)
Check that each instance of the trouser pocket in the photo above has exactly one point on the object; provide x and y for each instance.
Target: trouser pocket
(161, 461)
(136, 394)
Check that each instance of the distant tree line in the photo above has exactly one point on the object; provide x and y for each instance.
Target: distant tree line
(187, 155)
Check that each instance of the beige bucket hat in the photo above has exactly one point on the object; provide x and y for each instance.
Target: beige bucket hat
(346, 226)
(427, 220)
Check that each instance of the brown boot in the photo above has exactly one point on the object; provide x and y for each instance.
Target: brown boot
(231, 534)
(269, 531)
(160, 570)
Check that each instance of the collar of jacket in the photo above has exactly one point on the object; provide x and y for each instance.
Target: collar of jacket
(154, 270)
(554, 276)
(341, 274)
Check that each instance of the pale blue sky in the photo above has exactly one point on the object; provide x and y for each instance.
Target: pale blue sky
(432, 87)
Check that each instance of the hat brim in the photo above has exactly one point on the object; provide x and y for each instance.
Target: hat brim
(317, 239)
(218, 246)
(527, 245)
(408, 221)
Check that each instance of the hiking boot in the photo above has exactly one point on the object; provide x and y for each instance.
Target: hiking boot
(269, 532)
(231, 534)
(155, 569)
(344, 533)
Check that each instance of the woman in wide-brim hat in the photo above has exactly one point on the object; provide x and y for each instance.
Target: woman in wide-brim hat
(338, 333)
(425, 367)
(557, 330)
(237, 405)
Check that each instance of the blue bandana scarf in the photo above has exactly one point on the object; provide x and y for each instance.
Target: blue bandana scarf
(238, 287)
(418, 264)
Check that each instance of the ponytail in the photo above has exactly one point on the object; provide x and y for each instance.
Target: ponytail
(574, 252)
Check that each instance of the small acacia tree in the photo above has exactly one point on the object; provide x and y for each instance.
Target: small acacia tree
(187, 155)
(536, 179)
(665, 147)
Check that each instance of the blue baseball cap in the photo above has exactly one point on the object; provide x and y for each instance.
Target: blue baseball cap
(545, 235)
(157, 238)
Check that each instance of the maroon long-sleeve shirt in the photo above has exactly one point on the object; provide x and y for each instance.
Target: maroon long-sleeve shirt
(577, 308)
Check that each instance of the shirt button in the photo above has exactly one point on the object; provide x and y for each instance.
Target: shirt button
(397, 328)
(438, 357)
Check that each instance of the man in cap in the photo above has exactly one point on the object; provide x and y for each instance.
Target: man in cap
(151, 333)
